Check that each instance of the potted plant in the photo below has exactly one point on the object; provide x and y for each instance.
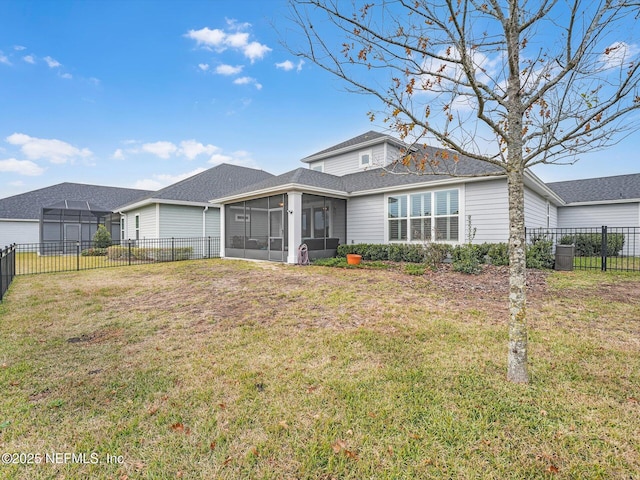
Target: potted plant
(353, 259)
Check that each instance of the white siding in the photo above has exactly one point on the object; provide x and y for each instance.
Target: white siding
(613, 215)
(213, 222)
(535, 210)
(148, 222)
(553, 217)
(180, 221)
(12, 231)
(365, 219)
(350, 162)
(487, 203)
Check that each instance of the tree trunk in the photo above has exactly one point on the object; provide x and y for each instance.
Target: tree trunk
(517, 358)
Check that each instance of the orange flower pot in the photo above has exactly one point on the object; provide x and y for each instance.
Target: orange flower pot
(353, 259)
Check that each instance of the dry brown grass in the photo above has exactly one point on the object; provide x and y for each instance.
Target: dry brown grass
(230, 369)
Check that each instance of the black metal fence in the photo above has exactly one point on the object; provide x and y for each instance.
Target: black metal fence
(599, 248)
(68, 256)
(7, 268)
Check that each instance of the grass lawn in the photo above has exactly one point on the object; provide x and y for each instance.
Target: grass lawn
(236, 370)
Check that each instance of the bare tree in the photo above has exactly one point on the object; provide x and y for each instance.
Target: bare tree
(513, 83)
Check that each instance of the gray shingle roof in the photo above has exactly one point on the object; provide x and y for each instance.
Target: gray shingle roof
(373, 179)
(352, 142)
(299, 176)
(619, 187)
(28, 205)
(217, 181)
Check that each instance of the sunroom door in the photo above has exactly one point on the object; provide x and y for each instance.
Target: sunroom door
(276, 235)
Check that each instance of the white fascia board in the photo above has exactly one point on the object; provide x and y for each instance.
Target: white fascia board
(357, 146)
(34, 220)
(422, 185)
(151, 201)
(290, 187)
(532, 181)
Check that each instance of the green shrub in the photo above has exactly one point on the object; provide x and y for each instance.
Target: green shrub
(396, 252)
(539, 253)
(94, 252)
(149, 254)
(102, 237)
(590, 244)
(465, 259)
(498, 254)
(435, 253)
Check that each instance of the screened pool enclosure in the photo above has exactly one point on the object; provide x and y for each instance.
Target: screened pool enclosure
(65, 223)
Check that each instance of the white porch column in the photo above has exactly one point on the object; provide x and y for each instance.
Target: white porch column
(222, 230)
(294, 217)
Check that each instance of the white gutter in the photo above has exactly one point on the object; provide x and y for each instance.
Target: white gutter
(280, 189)
(151, 201)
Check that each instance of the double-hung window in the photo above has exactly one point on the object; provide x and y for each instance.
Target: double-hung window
(397, 214)
(424, 216)
(446, 215)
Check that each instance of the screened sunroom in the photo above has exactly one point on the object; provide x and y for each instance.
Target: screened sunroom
(272, 228)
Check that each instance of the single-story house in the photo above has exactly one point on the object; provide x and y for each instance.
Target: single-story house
(349, 194)
(183, 210)
(62, 212)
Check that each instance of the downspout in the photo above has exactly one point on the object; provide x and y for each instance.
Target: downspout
(204, 221)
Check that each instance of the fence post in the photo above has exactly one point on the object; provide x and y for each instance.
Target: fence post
(209, 247)
(2, 261)
(77, 256)
(603, 249)
(129, 250)
(173, 257)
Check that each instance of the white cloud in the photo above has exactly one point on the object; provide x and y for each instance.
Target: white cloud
(66, 76)
(160, 149)
(619, 53)
(228, 69)
(118, 154)
(159, 181)
(19, 48)
(4, 59)
(191, 149)
(17, 183)
(52, 63)
(237, 38)
(21, 167)
(248, 81)
(207, 37)
(287, 65)
(203, 66)
(255, 51)
(239, 157)
(56, 151)
(29, 59)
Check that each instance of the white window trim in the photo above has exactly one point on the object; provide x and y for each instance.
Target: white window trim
(362, 154)
(462, 226)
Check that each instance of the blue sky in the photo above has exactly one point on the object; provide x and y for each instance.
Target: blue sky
(144, 93)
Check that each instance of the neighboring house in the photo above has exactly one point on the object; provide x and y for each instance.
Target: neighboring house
(66, 211)
(183, 210)
(594, 202)
(348, 196)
